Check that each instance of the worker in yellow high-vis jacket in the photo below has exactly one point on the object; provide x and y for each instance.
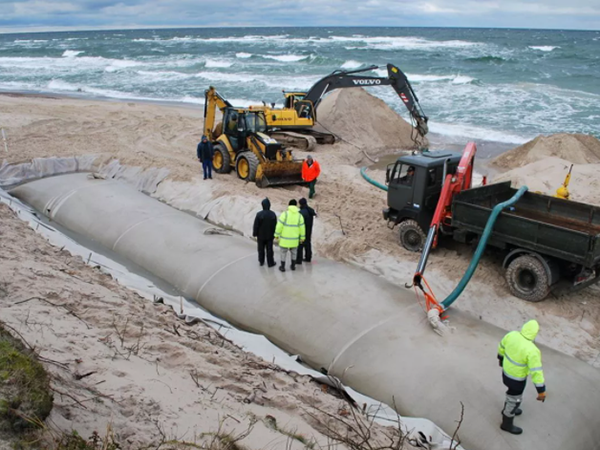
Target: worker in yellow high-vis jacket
(519, 357)
(290, 233)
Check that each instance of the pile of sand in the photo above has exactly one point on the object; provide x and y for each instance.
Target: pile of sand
(548, 174)
(365, 121)
(576, 148)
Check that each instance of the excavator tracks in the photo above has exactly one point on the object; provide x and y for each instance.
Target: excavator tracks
(300, 141)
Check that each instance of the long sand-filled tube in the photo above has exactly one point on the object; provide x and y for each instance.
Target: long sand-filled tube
(358, 326)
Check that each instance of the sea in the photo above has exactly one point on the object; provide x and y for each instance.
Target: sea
(500, 85)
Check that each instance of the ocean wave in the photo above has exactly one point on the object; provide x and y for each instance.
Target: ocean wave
(169, 75)
(286, 58)
(543, 48)
(72, 53)
(28, 41)
(118, 64)
(271, 81)
(476, 133)
(401, 43)
(218, 63)
(487, 58)
(63, 86)
(462, 79)
(243, 55)
(351, 64)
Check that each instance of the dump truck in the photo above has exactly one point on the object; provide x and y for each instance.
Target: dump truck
(294, 123)
(548, 243)
(241, 144)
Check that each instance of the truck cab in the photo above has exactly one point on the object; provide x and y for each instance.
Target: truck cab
(414, 187)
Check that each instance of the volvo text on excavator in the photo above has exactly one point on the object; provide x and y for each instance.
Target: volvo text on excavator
(293, 124)
(240, 143)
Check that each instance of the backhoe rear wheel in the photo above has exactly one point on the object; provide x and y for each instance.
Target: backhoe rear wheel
(528, 279)
(412, 237)
(246, 166)
(221, 159)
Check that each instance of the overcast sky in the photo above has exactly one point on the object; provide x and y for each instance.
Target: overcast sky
(37, 15)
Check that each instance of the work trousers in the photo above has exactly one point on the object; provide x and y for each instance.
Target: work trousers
(207, 168)
(514, 395)
(293, 251)
(265, 246)
(304, 250)
(311, 188)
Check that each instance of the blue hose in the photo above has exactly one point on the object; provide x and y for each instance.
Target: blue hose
(363, 172)
(487, 232)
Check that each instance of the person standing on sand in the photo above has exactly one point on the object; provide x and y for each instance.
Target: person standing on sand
(290, 232)
(309, 214)
(518, 356)
(205, 154)
(310, 172)
(264, 232)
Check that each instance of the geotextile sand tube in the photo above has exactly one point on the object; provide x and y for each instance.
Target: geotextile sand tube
(362, 329)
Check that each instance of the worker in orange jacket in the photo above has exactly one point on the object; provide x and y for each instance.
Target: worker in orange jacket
(310, 172)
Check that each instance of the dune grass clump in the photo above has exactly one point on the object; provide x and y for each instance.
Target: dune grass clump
(25, 395)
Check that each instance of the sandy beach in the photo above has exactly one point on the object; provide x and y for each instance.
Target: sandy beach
(147, 395)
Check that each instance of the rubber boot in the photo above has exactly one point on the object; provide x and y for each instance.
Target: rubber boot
(517, 411)
(293, 265)
(282, 267)
(507, 425)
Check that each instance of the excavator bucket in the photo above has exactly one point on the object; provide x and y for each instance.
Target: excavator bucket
(279, 173)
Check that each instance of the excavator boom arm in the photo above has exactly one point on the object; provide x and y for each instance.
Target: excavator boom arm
(348, 79)
(212, 101)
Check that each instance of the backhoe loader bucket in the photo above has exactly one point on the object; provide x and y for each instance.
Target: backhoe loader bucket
(279, 173)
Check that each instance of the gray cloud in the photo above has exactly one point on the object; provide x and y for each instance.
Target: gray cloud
(23, 14)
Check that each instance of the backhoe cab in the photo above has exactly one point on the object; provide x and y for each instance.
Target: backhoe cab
(241, 143)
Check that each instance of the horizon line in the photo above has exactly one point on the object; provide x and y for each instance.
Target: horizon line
(60, 29)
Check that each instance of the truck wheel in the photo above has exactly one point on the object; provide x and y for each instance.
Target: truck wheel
(527, 278)
(221, 159)
(246, 166)
(412, 237)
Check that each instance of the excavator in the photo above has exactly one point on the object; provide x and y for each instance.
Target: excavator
(293, 124)
(241, 143)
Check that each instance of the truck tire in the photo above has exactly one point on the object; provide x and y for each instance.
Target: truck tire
(221, 159)
(412, 237)
(527, 278)
(246, 166)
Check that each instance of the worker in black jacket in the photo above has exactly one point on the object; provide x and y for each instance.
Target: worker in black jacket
(306, 248)
(264, 232)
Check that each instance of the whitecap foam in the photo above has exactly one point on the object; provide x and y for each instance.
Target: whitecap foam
(402, 42)
(543, 48)
(118, 64)
(470, 132)
(218, 63)
(417, 78)
(58, 85)
(285, 58)
(351, 64)
(462, 79)
(72, 53)
(243, 55)
(169, 75)
(28, 41)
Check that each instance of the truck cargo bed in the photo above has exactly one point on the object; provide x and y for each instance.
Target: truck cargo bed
(561, 228)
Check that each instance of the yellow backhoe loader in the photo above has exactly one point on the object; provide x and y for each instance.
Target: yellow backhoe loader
(294, 123)
(240, 143)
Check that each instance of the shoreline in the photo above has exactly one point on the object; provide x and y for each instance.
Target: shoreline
(486, 149)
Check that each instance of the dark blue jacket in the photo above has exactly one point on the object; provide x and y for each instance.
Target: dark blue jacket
(205, 151)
